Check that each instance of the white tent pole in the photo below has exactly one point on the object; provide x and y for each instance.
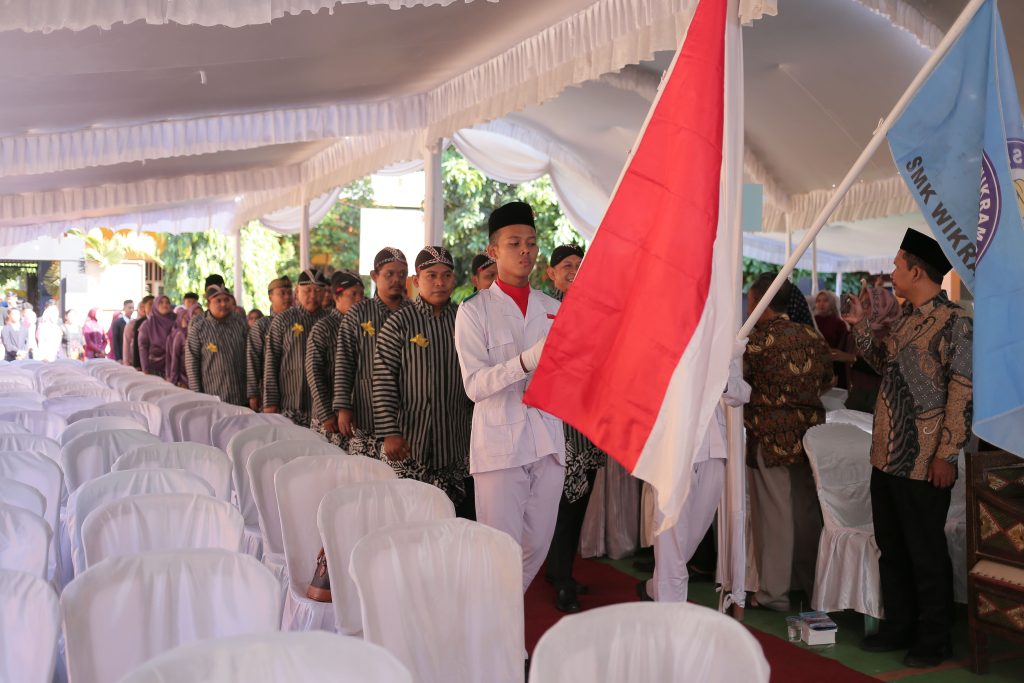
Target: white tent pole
(789, 242)
(814, 267)
(876, 141)
(839, 283)
(433, 196)
(237, 245)
(304, 257)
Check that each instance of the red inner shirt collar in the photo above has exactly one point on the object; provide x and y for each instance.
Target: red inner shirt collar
(521, 295)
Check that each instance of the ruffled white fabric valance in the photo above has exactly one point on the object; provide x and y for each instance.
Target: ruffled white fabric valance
(75, 15)
(289, 219)
(905, 16)
(864, 200)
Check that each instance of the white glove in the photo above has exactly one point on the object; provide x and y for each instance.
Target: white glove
(739, 347)
(531, 356)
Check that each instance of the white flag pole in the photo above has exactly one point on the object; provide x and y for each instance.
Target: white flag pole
(883, 129)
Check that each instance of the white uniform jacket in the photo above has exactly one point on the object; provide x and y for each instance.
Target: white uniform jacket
(490, 333)
(737, 393)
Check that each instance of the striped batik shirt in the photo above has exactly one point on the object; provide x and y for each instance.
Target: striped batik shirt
(323, 339)
(215, 358)
(353, 359)
(417, 385)
(255, 346)
(284, 364)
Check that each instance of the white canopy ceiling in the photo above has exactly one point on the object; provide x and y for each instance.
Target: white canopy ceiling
(186, 127)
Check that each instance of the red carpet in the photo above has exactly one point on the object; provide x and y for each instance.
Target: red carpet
(608, 586)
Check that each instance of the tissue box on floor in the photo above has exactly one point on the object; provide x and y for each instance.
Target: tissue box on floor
(817, 628)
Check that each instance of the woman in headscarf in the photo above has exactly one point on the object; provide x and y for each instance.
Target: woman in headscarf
(95, 336)
(155, 337)
(176, 374)
(48, 334)
(834, 330)
(72, 342)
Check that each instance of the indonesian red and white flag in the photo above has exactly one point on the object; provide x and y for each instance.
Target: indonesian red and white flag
(639, 353)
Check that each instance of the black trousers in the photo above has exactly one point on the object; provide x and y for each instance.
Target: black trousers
(916, 572)
(566, 540)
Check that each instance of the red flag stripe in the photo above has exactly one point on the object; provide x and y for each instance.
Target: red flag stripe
(641, 292)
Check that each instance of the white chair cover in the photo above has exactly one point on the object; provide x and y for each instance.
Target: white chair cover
(168, 402)
(106, 395)
(126, 409)
(90, 455)
(11, 379)
(458, 617)
(175, 413)
(846, 575)
(956, 531)
(24, 540)
(20, 400)
(23, 496)
(12, 428)
(658, 641)
(195, 424)
(160, 521)
(135, 391)
(856, 418)
(157, 392)
(127, 610)
(39, 422)
(834, 399)
(300, 486)
(100, 424)
(274, 657)
(66, 388)
(212, 464)
(30, 624)
(222, 430)
(353, 511)
(31, 442)
(118, 485)
(66, 406)
(46, 477)
(126, 387)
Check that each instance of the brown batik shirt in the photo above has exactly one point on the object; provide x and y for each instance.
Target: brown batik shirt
(925, 404)
(788, 366)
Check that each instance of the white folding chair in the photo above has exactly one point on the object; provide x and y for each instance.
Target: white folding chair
(12, 428)
(20, 400)
(31, 442)
(212, 464)
(118, 485)
(9, 380)
(658, 641)
(145, 381)
(264, 462)
(353, 511)
(136, 390)
(30, 624)
(160, 521)
(223, 429)
(175, 412)
(300, 486)
(166, 404)
(78, 388)
(90, 455)
(23, 496)
(458, 617)
(846, 574)
(240, 447)
(39, 422)
(156, 392)
(46, 477)
(274, 657)
(856, 418)
(101, 424)
(834, 399)
(127, 610)
(24, 540)
(956, 531)
(125, 409)
(66, 406)
(195, 424)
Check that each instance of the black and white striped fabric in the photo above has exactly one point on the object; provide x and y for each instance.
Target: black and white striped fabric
(284, 364)
(320, 347)
(353, 359)
(255, 346)
(215, 358)
(418, 391)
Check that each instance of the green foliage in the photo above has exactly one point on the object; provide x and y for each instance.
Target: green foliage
(752, 268)
(263, 251)
(469, 198)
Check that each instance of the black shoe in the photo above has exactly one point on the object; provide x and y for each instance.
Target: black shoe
(880, 642)
(573, 583)
(926, 658)
(641, 592)
(565, 601)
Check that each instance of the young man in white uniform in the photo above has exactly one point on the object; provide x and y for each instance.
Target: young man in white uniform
(516, 453)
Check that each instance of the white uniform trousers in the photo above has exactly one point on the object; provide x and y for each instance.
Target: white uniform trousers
(674, 547)
(522, 502)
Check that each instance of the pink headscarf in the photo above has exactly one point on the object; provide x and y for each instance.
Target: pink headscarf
(885, 309)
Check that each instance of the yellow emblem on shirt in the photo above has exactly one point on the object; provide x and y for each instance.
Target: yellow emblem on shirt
(420, 341)
(298, 329)
(368, 326)
(211, 347)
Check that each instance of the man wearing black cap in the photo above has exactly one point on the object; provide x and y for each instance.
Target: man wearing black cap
(353, 355)
(482, 272)
(582, 460)
(285, 390)
(280, 292)
(420, 409)
(922, 420)
(215, 350)
(517, 453)
(348, 291)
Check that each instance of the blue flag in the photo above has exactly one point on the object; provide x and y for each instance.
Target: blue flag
(965, 124)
